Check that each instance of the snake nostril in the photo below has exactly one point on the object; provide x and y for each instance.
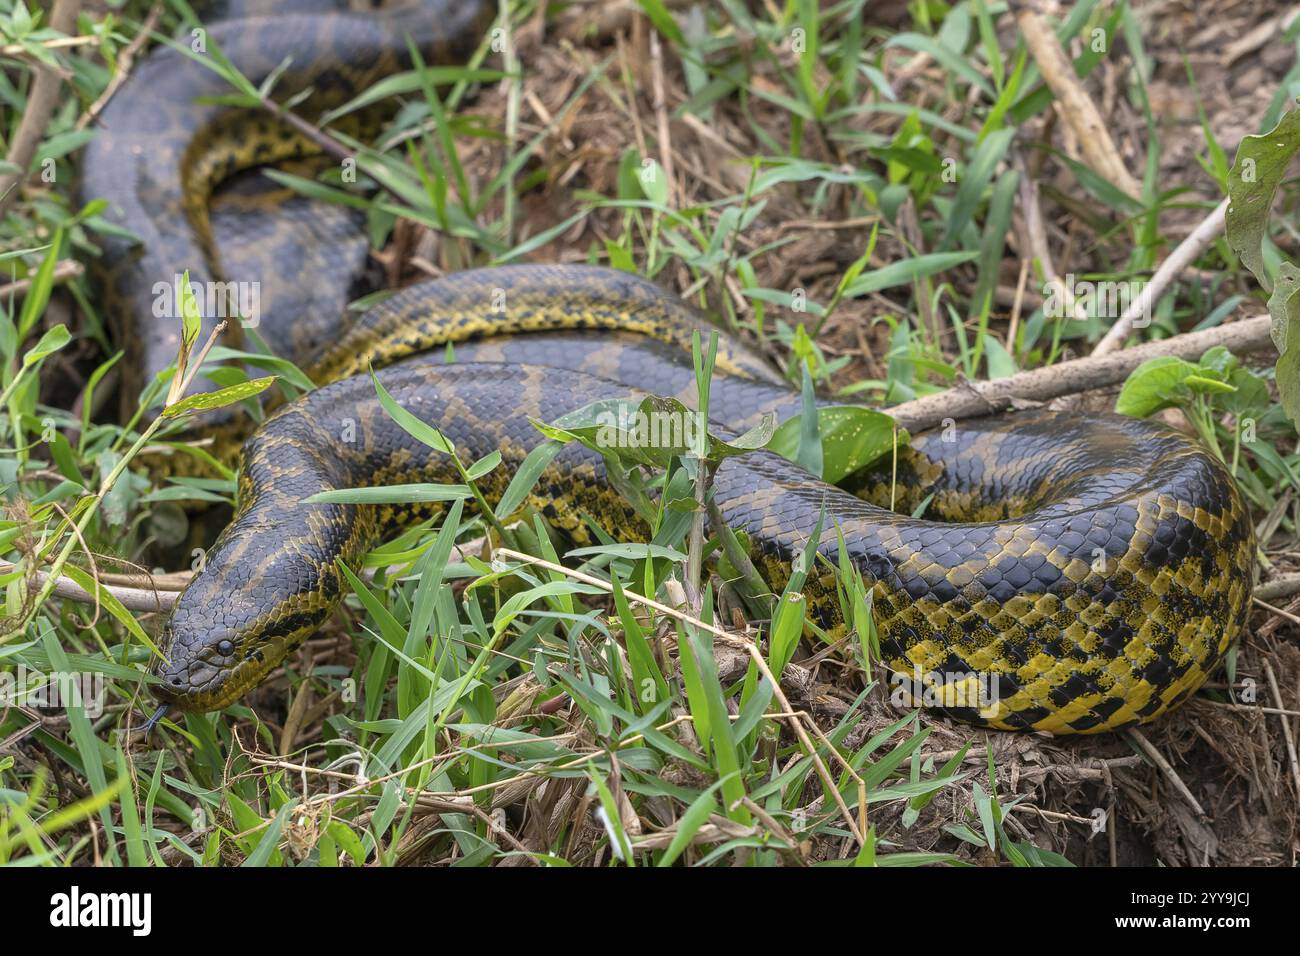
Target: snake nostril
(175, 682)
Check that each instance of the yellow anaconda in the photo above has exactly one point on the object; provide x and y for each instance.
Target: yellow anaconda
(1084, 574)
(181, 172)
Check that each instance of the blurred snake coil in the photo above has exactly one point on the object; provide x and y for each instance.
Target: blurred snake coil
(1089, 572)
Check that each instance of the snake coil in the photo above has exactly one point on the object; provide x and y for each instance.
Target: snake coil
(1081, 575)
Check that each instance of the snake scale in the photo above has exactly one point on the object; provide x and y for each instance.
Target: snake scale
(1089, 572)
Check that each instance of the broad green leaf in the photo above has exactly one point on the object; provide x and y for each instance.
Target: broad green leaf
(1165, 381)
(1153, 385)
(852, 438)
(53, 340)
(1260, 166)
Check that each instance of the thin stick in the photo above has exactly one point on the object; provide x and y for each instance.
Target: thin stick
(1286, 726)
(513, 87)
(323, 140)
(41, 101)
(1078, 375)
(58, 43)
(1039, 251)
(1251, 708)
(133, 599)
(662, 132)
(1286, 615)
(125, 59)
(64, 270)
(1185, 254)
(1076, 107)
(1166, 768)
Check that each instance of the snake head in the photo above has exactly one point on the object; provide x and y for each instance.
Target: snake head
(208, 665)
(238, 619)
(200, 668)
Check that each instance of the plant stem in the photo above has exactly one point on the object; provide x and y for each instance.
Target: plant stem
(695, 549)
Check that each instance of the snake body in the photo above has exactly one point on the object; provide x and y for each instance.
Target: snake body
(1085, 574)
(164, 151)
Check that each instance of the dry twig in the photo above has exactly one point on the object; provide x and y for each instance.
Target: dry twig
(1166, 768)
(1210, 228)
(41, 101)
(1079, 375)
(1075, 106)
(64, 270)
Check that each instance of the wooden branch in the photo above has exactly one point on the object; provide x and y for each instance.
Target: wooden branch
(42, 98)
(1184, 255)
(1079, 375)
(1284, 585)
(64, 270)
(132, 598)
(1076, 107)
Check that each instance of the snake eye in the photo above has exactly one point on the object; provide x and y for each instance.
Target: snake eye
(225, 647)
